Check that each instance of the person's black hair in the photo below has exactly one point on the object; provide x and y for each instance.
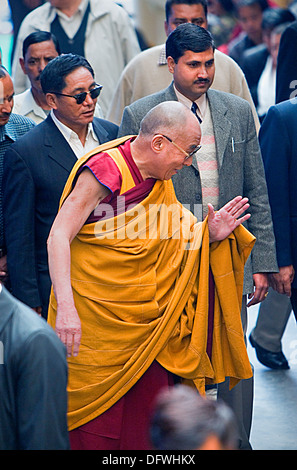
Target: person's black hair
(53, 76)
(273, 17)
(40, 36)
(228, 5)
(263, 4)
(188, 37)
(170, 3)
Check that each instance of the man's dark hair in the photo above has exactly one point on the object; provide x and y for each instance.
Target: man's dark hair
(273, 17)
(263, 4)
(40, 36)
(170, 3)
(183, 420)
(3, 71)
(188, 37)
(53, 76)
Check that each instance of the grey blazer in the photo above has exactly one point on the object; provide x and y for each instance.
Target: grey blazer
(241, 169)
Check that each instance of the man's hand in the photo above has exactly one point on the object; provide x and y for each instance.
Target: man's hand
(261, 284)
(68, 329)
(281, 281)
(224, 221)
(38, 310)
(3, 268)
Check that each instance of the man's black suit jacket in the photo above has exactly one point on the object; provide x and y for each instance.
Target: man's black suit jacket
(286, 71)
(253, 64)
(36, 169)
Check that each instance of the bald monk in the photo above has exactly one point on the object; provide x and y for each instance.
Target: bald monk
(142, 294)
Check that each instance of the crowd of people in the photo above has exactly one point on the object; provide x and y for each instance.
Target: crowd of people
(147, 183)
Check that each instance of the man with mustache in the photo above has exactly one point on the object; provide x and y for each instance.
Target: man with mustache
(12, 127)
(39, 48)
(35, 172)
(228, 163)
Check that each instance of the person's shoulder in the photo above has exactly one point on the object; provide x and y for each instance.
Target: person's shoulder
(224, 60)
(18, 126)
(106, 7)
(146, 55)
(26, 132)
(227, 98)
(167, 94)
(21, 121)
(29, 325)
(38, 13)
(286, 109)
(291, 29)
(109, 126)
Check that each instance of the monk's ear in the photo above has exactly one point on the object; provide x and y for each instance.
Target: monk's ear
(157, 143)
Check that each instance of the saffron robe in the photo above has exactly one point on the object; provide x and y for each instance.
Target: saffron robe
(140, 283)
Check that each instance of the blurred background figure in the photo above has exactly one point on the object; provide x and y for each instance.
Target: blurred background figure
(183, 420)
(149, 20)
(249, 14)
(19, 9)
(259, 63)
(221, 20)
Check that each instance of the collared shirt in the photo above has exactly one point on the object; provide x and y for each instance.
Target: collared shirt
(70, 24)
(16, 127)
(266, 88)
(25, 104)
(73, 140)
(201, 102)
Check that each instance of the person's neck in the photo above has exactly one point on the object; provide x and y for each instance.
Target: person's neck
(39, 98)
(137, 152)
(80, 131)
(71, 7)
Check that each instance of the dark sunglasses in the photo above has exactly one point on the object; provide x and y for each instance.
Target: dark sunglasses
(80, 97)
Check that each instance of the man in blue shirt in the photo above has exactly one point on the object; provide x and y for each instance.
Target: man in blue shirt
(12, 126)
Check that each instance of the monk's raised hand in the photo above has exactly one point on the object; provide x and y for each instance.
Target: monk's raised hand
(221, 223)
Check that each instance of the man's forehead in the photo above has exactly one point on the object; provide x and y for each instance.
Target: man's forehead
(204, 56)
(78, 78)
(187, 12)
(6, 87)
(43, 48)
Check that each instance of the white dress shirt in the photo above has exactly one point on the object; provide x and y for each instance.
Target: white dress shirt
(73, 140)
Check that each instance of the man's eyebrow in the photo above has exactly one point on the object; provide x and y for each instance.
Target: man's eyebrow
(79, 89)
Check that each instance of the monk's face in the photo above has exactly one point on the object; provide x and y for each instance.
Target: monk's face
(177, 149)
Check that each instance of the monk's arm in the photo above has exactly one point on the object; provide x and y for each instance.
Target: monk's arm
(85, 196)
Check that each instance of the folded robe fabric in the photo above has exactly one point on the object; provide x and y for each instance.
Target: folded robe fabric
(140, 283)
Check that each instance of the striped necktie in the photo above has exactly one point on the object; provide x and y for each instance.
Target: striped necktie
(194, 109)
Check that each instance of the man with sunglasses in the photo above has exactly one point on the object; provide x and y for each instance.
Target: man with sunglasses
(35, 172)
(228, 163)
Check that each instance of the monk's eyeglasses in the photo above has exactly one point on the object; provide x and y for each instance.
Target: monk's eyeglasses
(188, 155)
(80, 97)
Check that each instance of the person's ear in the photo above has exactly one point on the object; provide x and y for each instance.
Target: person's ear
(171, 64)
(157, 143)
(22, 64)
(51, 100)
